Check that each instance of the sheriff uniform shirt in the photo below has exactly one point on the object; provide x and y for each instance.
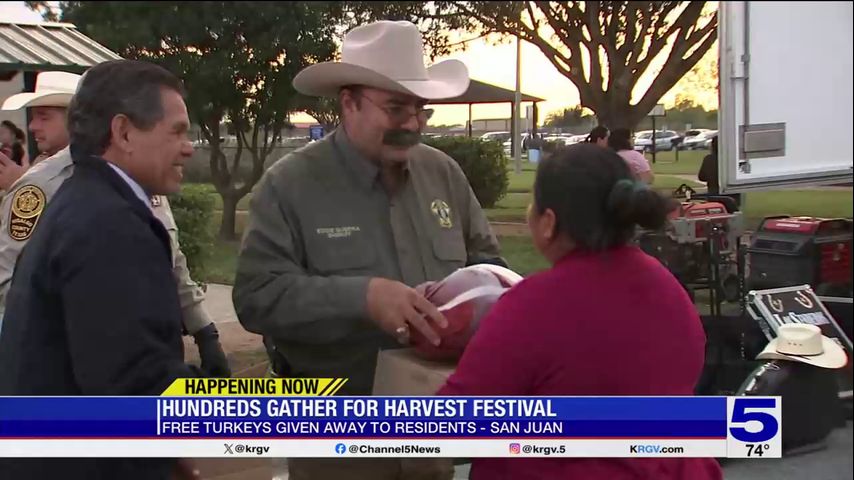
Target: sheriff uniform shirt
(321, 225)
(22, 208)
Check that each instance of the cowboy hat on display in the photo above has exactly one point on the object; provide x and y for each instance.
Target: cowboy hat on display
(389, 56)
(53, 89)
(799, 342)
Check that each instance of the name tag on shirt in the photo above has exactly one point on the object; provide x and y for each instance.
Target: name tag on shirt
(338, 232)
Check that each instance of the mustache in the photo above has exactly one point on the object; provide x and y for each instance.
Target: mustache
(401, 138)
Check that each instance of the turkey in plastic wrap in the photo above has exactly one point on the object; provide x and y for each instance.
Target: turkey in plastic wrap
(464, 298)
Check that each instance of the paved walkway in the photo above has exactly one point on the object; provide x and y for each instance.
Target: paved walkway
(243, 348)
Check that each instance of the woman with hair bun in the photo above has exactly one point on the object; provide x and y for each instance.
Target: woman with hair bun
(606, 319)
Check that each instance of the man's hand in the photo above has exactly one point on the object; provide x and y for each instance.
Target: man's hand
(213, 358)
(11, 171)
(396, 308)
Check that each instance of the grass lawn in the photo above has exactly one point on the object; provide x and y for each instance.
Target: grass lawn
(513, 206)
(668, 183)
(223, 263)
(522, 182)
(818, 203)
(521, 255)
(688, 164)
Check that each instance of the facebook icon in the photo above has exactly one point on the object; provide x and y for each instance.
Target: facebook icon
(340, 448)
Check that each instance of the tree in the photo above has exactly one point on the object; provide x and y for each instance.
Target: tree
(604, 48)
(568, 117)
(324, 110)
(608, 50)
(236, 60)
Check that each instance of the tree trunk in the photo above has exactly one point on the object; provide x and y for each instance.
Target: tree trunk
(622, 116)
(227, 229)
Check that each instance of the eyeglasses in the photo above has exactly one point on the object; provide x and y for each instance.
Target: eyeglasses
(400, 114)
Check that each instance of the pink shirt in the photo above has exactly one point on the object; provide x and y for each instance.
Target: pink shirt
(636, 161)
(615, 323)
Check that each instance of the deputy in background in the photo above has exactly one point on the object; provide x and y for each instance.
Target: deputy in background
(47, 105)
(93, 309)
(22, 208)
(341, 230)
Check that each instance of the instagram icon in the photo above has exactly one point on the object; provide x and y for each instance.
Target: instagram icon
(514, 449)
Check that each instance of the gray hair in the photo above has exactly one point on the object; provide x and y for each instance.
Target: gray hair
(117, 87)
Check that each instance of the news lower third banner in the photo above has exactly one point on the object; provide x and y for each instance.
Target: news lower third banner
(290, 418)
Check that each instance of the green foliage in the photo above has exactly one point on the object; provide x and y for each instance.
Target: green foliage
(682, 114)
(483, 162)
(569, 118)
(193, 208)
(237, 62)
(551, 146)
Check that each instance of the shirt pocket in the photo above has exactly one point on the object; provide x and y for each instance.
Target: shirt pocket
(350, 256)
(449, 248)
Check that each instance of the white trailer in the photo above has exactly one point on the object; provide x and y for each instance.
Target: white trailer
(785, 116)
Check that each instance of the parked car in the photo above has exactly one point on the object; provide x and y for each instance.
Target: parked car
(663, 140)
(500, 137)
(689, 134)
(508, 144)
(693, 139)
(701, 141)
(572, 140)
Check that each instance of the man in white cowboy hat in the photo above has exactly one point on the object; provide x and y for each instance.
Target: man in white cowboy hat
(28, 196)
(341, 231)
(47, 104)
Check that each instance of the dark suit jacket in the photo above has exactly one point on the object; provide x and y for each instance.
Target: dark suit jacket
(92, 310)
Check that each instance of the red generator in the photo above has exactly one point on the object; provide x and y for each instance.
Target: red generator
(788, 251)
(683, 246)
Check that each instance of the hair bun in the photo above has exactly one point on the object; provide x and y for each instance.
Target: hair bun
(634, 203)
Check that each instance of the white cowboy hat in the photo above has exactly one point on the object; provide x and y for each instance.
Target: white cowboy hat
(53, 89)
(389, 56)
(800, 342)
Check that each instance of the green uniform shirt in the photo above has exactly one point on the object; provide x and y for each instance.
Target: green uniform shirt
(321, 225)
(27, 198)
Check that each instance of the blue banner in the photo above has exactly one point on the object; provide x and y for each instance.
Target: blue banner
(364, 417)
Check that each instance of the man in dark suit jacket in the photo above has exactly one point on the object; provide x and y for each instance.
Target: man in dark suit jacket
(93, 308)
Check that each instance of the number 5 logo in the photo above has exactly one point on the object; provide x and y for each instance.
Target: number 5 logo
(740, 415)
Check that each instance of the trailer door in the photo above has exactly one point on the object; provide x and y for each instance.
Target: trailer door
(785, 114)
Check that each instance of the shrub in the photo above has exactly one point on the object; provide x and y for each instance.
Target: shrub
(551, 146)
(193, 209)
(483, 162)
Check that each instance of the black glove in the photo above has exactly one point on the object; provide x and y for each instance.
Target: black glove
(213, 358)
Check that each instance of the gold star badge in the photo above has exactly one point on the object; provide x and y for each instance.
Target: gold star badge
(442, 212)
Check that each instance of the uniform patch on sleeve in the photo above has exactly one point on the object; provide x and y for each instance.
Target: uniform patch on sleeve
(27, 206)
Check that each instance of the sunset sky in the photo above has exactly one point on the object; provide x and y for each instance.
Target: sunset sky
(496, 64)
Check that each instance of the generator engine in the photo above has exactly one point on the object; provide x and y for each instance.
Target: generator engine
(788, 251)
(699, 245)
